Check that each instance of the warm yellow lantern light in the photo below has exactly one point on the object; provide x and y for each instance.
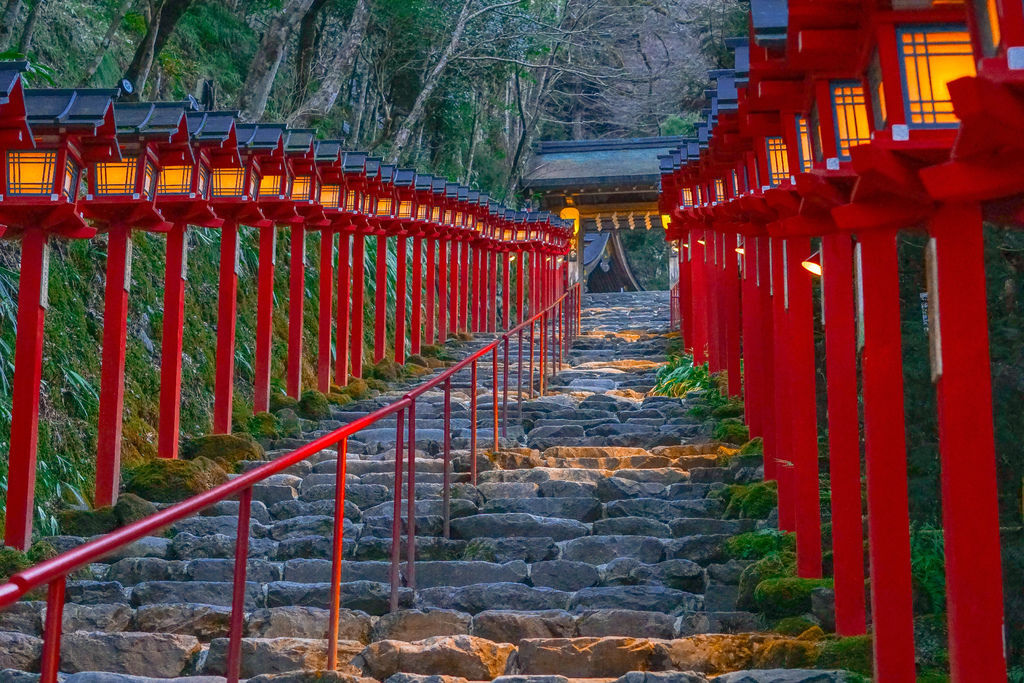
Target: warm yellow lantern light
(803, 135)
(573, 214)
(301, 185)
(812, 263)
(384, 205)
(405, 209)
(330, 196)
(666, 221)
(228, 182)
(175, 180)
(116, 177)
(270, 185)
(931, 57)
(30, 172)
(778, 160)
(851, 117)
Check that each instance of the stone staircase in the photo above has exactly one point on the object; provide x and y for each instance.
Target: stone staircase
(589, 549)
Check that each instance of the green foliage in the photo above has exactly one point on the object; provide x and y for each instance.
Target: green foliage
(786, 597)
(263, 426)
(289, 424)
(749, 501)
(680, 376)
(74, 522)
(793, 626)
(131, 508)
(12, 561)
(753, 447)
(731, 430)
(773, 566)
(358, 389)
(679, 125)
(754, 545)
(224, 449)
(171, 481)
(313, 406)
(852, 654)
(928, 568)
(732, 409)
(282, 401)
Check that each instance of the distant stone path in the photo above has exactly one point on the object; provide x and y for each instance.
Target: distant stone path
(589, 549)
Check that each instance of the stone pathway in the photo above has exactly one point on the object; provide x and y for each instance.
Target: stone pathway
(588, 549)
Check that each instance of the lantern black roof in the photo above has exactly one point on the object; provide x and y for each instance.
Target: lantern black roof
(451, 190)
(150, 119)
(68, 107)
(483, 199)
(405, 177)
(10, 75)
(299, 140)
(210, 126)
(262, 136)
(770, 19)
(354, 162)
(741, 65)
(440, 186)
(328, 151)
(495, 208)
(387, 173)
(424, 182)
(372, 167)
(536, 217)
(463, 193)
(473, 196)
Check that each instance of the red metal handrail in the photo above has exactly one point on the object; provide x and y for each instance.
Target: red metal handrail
(53, 573)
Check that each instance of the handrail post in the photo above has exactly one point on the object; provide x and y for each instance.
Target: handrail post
(504, 390)
(472, 423)
(410, 531)
(337, 552)
(494, 395)
(446, 492)
(52, 631)
(396, 511)
(234, 654)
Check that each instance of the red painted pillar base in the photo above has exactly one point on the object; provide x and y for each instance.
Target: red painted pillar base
(358, 291)
(264, 318)
(886, 451)
(401, 287)
(344, 308)
(324, 331)
(380, 301)
(227, 308)
(115, 323)
(970, 514)
(296, 299)
(28, 363)
(171, 344)
(844, 433)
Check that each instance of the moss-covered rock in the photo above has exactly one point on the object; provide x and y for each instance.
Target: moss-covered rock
(788, 654)
(385, 369)
(731, 431)
(171, 481)
(313, 406)
(282, 402)
(377, 385)
(431, 350)
(776, 565)
(240, 413)
(131, 508)
(730, 409)
(12, 561)
(464, 336)
(852, 654)
(357, 388)
(786, 597)
(338, 398)
(749, 501)
(289, 424)
(263, 426)
(225, 449)
(793, 626)
(416, 359)
(416, 370)
(754, 545)
(753, 447)
(87, 522)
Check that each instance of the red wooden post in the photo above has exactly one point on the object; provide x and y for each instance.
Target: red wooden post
(115, 322)
(342, 324)
(520, 276)
(227, 308)
(264, 317)
(765, 335)
(506, 279)
(715, 301)
(171, 343)
(783, 386)
(401, 287)
(431, 294)
(959, 327)
(444, 289)
(492, 297)
(474, 288)
(358, 289)
(751, 359)
(464, 287)
(803, 409)
(380, 300)
(885, 447)
(843, 433)
(685, 292)
(417, 292)
(455, 288)
(324, 329)
(699, 316)
(33, 284)
(296, 298)
(732, 316)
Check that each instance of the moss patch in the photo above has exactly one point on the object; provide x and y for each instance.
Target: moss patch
(753, 447)
(431, 350)
(171, 481)
(386, 369)
(416, 359)
(377, 385)
(786, 597)
(131, 508)
(754, 545)
(852, 653)
(281, 401)
(313, 406)
(337, 398)
(749, 501)
(12, 561)
(290, 426)
(731, 431)
(263, 426)
(87, 522)
(776, 565)
(793, 626)
(224, 449)
(730, 409)
(358, 389)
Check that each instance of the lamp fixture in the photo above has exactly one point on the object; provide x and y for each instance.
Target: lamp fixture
(812, 263)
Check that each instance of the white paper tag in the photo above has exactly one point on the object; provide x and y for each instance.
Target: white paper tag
(44, 279)
(184, 257)
(128, 263)
(858, 275)
(933, 325)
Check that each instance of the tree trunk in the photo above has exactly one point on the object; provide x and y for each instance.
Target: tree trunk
(9, 21)
(308, 40)
(115, 23)
(357, 127)
(30, 27)
(264, 65)
(474, 137)
(339, 69)
(142, 61)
